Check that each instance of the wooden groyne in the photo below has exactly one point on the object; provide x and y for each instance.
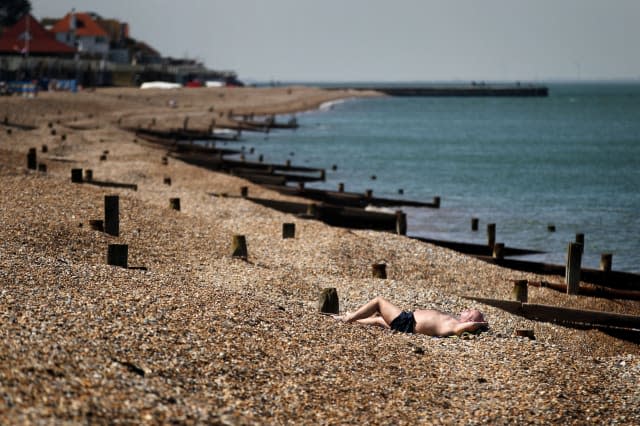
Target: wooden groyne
(480, 90)
(476, 249)
(611, 279)
(350, 199)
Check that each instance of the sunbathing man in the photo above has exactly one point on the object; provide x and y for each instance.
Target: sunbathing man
(423, 321)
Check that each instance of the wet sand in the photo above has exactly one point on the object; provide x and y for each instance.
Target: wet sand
(200, 337)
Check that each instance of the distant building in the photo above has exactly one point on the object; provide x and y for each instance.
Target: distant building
(29, 37)
(80, 30)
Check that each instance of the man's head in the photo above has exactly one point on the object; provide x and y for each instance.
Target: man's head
(472, 315)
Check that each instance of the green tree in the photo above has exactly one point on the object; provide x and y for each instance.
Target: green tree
(12, 10)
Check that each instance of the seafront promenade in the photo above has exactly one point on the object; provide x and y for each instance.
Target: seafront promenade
(191, 334)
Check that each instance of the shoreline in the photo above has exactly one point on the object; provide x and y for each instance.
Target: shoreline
(201, 337)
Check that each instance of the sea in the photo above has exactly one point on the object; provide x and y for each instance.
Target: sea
(543, 169)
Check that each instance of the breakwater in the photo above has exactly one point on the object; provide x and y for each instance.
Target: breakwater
(473, 90)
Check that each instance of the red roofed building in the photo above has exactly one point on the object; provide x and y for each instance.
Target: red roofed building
(82, 30)
(27, 36)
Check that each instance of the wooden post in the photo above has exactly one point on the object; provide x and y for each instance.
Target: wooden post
(300, 186)
(323, 175)
(117, 255)
(42, 167)
(525, 332)
(76, 175)
(334, 167)
(239, 247)
(341, 187)
(45, 148)
(165, 161)
(520, 292)
(97, 225)
(31, 159)
(244, 191)
(498, 251)
(368, 193)
(185, 123)
(167, 181)
(288, 230)
(605, 262)
(88, 175)
(491, 235)
(288, 163)
(328, 302)
(436, 201)
(400, 191)
(260, 158)
(474, 223)
(103, 157)
(401, 222)
(572, 271)
(112, 215)
(580, 239)
(174, 203)
(551, 227)
(379, 270)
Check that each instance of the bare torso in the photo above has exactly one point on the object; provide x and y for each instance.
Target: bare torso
(434, 323)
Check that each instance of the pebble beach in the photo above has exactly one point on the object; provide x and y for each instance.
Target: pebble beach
(199, 337)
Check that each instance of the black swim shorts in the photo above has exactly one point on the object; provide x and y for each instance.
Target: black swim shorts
(405, 322)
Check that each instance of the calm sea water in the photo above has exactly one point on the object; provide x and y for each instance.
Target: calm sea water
(571, 160)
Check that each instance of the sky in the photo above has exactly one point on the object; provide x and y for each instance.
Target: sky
(382, 40)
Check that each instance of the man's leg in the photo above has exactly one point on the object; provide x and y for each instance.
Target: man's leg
(386, 309)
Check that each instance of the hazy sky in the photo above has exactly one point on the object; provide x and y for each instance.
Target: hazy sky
(333, 40)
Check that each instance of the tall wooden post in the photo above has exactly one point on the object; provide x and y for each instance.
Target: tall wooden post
(520, 292)
(32, 162)
(341, 187)
(401, 222)
(112, 215)
(572, 271)
(580, 239)
(436, 202)
(474, 223)
(174, 203)
(491, 235)
(244, 191)
(328, 301)
(117, 255)
(368, 193)
(76, 175)
(605, 262)
(288, 230)
(88, 175)
(239, 247)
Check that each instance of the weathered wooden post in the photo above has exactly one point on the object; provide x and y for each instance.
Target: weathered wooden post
(42, 167)
(288, 163)
(117, 255)
(167, 180)
(400, 191)
(88, 175)
(328, 302)
(572, 271)
(580, 239)
(379, 270)
(239, 247)
(76, 175)
(606, 260)
(334, 167)
(551, 227)
(323, 175)
(103, 157)
(474, 223)
(491, 235)
(401, 222)
(244, 191)
(368, 193)
(498, 251)
(185, 123)
(341, 187)
(174, 203)
(260, 158)
(436, 202)
(520, 292)
(112, 215)
(45, 148)
(288, 230)
(165, 161)
(32, 163)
